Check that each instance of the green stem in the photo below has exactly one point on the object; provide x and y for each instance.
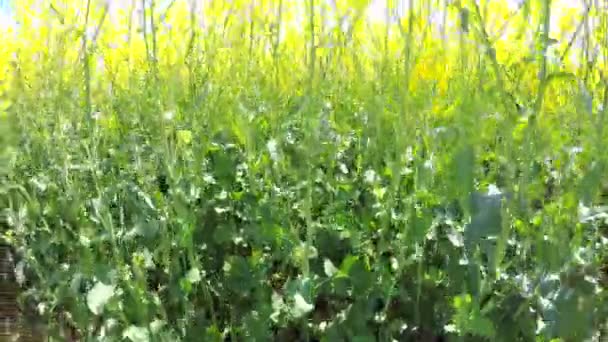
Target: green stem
(153, 28)
(145, 29)
(491, 54)
(542, 56)
(86, 63)
(275, 50)
(313, 48)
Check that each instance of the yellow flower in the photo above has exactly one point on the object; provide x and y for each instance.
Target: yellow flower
(184, 137)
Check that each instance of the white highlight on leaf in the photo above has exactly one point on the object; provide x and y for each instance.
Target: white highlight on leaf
(493, 190)
(193, 276)
(301, 307)
(20, 273)
(136, 334)
(343, 168)
(209, 179)
(455, 238)
(277, 306)
(272, 147)
(96, 115)
(156, 325)
(168, 115)
(394, 264)
(450, 328)
(329, 267)
(369, 176)
(148, 259)
(99, 296)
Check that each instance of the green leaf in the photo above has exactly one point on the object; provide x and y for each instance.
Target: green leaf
(463, 163)
(481, 326)
(212, 333)
(486, 220)
(464, 19)
(301, 252)
(361, 277)
(590, 183)
(574, 317)
(136, 334)
(347, 263)
(239, 275)
(364, 338)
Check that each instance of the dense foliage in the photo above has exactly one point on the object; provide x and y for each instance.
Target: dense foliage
(275, 171)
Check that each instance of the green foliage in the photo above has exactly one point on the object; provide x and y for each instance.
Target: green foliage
(241, 198)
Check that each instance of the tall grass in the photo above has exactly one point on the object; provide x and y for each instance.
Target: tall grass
(255, 170)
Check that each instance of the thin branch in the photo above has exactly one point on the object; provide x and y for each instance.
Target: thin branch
(153, 28)
(166, 11)
(144, 28)
(277, 41)
(100, 23)
(60, 15)
(575, 35)
(504, 26)
(543, 58)
(190, 46)
(490, 53)
(93, 41)
(85, 62)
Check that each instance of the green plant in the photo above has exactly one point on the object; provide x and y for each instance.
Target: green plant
(252, 181)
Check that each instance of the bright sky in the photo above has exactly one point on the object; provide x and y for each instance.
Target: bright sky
(5, 18)
(375, 12)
